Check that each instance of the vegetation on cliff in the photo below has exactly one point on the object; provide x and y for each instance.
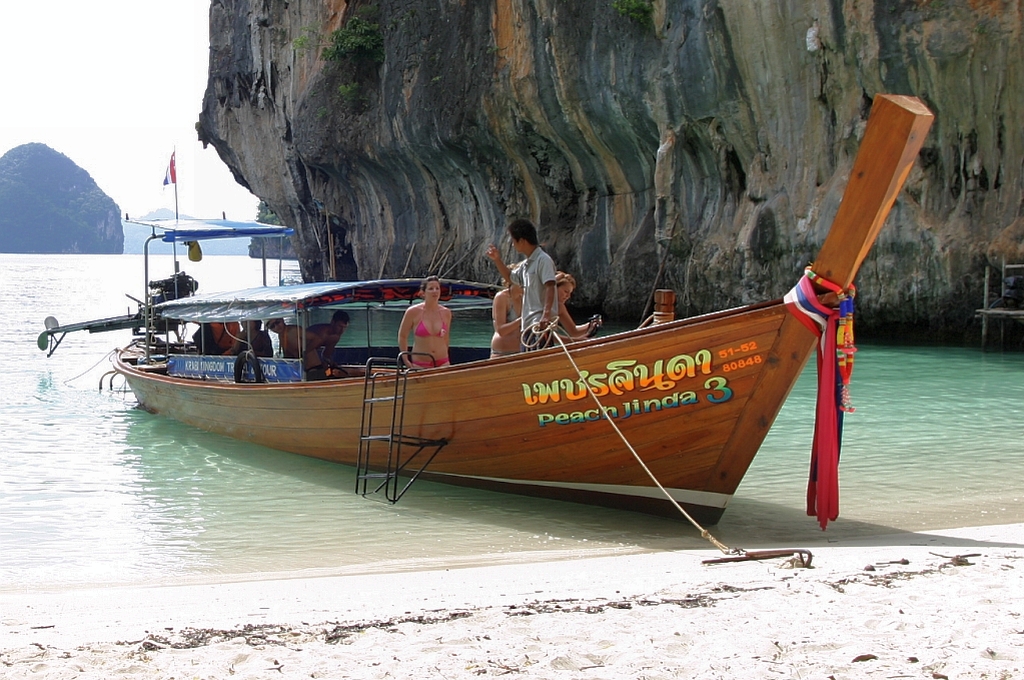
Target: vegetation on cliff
(48, 204)
(639, 11)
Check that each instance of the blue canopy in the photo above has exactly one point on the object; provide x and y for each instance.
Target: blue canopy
(268, 302)
(200, 230)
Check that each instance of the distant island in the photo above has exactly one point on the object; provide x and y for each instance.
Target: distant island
(48, 204)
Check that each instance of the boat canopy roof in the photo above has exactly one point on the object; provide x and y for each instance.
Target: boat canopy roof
(202, 230)
(268, 302)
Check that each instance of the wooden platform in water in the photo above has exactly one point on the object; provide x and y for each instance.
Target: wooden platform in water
(1001, 313)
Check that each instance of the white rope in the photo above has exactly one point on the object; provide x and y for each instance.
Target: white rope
(227, 331)
(106, 356)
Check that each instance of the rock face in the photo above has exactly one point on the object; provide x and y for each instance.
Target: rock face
(703, 146)
(50, 205)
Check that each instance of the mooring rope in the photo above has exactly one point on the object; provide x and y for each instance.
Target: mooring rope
(538, 331)
(106, 356)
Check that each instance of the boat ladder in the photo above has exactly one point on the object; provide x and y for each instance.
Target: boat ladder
(385, 451)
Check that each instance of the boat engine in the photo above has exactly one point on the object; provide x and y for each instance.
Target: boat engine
(176, 286)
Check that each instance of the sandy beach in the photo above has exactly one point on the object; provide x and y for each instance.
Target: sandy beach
(943, 604)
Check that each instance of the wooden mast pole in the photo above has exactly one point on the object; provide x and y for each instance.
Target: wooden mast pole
(895, 133)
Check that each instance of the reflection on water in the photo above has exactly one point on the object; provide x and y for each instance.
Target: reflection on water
(246, 508)
(93, 490)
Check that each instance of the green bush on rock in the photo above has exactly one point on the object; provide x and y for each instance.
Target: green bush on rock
(639, 11)
(359, 40)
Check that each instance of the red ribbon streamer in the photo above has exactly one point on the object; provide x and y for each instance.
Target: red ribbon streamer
(823, 483)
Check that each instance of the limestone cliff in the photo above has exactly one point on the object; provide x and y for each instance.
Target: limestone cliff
(48, 204)
(704, 145)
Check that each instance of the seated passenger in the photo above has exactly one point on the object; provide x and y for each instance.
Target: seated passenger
(321, 339)
(565, 284)
(288, 338)
(505, 312)
(216, 337)
(432, 322)
(254, 337)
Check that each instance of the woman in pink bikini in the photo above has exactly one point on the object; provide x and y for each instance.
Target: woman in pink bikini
(429, 322)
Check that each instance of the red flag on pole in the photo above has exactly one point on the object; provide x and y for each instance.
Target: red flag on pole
(171, 177)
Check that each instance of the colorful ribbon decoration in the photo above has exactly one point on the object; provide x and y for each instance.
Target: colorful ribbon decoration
(834, 328)
(845, 348)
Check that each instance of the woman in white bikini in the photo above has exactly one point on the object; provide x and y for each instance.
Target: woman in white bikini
(429, 322)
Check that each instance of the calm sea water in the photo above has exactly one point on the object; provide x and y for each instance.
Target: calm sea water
(96, 491)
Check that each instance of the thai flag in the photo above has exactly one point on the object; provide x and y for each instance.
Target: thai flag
(171, 177)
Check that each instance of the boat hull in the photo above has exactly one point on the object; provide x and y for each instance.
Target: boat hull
(693, 398)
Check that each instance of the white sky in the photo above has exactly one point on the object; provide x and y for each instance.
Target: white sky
(116, 85)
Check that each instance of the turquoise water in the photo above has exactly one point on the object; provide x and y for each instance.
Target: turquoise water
(96, 491)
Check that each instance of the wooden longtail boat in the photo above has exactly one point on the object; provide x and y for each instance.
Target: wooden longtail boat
(695, 397)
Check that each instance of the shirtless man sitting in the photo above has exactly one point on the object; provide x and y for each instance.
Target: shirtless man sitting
(321, 339)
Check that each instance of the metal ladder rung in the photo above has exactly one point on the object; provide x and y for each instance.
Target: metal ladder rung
(376, 438)
(421, 441)
(377, 400)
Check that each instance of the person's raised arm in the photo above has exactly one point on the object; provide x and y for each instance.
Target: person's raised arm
(503, 269)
